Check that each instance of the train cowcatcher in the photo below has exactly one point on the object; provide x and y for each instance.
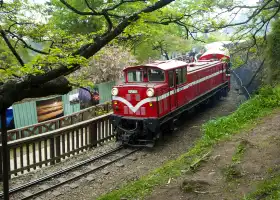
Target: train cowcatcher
(153, 95)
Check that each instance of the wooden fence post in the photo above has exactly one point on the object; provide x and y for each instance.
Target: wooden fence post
(93, 134)
(1, 164)
(57, 148)
(52, 152)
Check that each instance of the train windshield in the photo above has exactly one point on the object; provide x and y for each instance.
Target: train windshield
(155, 75)
(135, 75)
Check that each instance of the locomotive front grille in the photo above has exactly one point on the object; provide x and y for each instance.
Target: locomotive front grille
(140, 112)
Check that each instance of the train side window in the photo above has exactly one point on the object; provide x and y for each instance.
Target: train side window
(179, 76)
(184, 75)
(171, 79)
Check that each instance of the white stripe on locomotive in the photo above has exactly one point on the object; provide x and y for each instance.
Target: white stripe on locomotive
(161, 97)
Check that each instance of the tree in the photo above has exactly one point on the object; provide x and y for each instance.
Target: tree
(155, 40)
(65, 54)
(71, 22)
(272, 52)
(62, 52)
(106, 65)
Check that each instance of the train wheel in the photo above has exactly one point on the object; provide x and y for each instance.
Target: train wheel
(225, 93)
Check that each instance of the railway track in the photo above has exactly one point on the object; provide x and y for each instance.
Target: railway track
(49, 182)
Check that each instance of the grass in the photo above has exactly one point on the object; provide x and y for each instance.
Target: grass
(267, 190)
(231, 172)
(213, 131)
(239, 152)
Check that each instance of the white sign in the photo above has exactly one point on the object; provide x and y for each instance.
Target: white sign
(132, 91)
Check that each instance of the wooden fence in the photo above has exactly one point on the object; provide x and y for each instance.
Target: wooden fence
(57, 123)
(52, 147)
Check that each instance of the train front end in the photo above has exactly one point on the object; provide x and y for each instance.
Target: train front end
(134, 102)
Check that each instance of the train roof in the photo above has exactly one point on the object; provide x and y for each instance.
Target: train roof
(167, 64)
(173, 64)
(164, 65)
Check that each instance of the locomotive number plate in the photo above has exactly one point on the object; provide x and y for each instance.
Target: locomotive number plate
(132, 91)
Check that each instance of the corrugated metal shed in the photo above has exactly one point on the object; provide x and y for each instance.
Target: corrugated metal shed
(25, 113)
(70, 108)
(105, 91)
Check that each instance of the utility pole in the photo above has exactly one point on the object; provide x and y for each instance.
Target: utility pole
(5, 159)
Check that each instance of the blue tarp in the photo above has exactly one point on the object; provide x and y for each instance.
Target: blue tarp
(9, 118)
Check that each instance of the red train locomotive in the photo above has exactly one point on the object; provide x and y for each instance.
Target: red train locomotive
(155, 94)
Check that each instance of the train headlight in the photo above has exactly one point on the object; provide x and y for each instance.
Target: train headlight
(150, 92)
(115, 91)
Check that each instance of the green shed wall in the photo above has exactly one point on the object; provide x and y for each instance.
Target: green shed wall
(25, 114)
(105, 91)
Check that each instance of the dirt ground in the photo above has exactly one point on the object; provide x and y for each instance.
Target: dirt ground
(219, 177)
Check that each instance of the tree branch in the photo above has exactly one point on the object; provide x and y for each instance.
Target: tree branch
(3, 34)
(75, 10)
(120, 3)
(25, 43)
(47, 83)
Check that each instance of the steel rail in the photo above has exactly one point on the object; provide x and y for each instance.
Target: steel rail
(78, 176)
(68, 169)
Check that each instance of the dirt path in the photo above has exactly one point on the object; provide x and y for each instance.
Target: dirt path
(229, 175)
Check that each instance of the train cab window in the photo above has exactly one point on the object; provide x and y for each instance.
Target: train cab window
(155, 75)
(135, 76)
(171, 78)
(184, 75)
(179, 76)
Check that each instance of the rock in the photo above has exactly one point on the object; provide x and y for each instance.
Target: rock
(26, 194)
(194, 185)
(77, 173)
(120, 154)
(90, 178)
(74, 185)
(133, 158)
(119, 164)
(106, 161)
(216, 158)
(184, 171)
(211, 174)
(144, 154)
(44, 187)
(91, 167)
(61, 179)
(56, 193)
(106, 172)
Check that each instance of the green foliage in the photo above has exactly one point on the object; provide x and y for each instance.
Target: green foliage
(213, 132)
(273, 49)
(231, 172)
(158, 40)
(239, 152)
(236, 61)
(266, 190)
(64, 19)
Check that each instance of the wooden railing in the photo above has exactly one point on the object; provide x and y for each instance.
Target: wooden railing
(49, 148)
(57, 123)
